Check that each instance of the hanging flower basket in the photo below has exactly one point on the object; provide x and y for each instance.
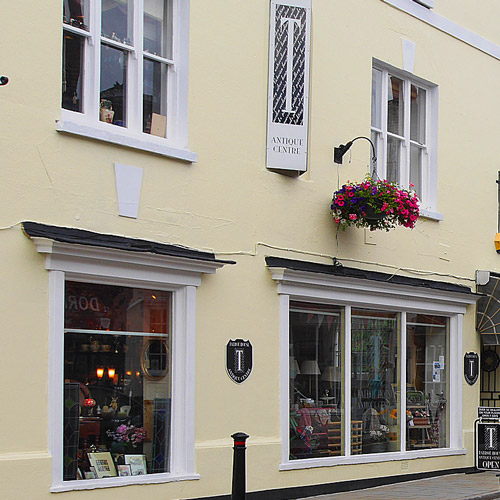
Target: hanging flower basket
(374, 204)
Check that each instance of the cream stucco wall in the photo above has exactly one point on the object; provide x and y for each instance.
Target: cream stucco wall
(229, 203)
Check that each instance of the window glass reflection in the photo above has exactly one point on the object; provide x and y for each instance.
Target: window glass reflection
(157, 28)
(116, 20)
(426, 382)
(315, 363)
(72, 71)
(154, 97)
(374, 368)
(117, 389)
(113, 86)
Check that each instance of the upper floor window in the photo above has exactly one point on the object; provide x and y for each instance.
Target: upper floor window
(404, 130)
(124, 67)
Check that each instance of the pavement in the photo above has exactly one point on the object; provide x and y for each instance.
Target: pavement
(478, 486)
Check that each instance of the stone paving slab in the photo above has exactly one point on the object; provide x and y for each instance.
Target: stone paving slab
(480, 486)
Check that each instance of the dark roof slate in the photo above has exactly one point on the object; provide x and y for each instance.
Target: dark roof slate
(339, 269)
(83, 237)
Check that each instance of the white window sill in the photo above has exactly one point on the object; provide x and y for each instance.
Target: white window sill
(429, 214)
(310, 463)
(92, 484)
(149, 144)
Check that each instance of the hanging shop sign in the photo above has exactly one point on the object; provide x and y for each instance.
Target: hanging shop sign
(239, 360)
(288, 88)
(471, 367)
(487, 446)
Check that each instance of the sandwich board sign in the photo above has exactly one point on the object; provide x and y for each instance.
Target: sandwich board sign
(488, 446)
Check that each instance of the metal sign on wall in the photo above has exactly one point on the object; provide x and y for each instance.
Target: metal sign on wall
(487, 446)
(288, 90)
(471, 367)
(239, 360)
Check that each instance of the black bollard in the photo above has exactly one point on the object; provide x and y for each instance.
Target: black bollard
(239, 470)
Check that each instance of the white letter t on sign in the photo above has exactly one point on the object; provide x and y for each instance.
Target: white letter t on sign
(289, 61)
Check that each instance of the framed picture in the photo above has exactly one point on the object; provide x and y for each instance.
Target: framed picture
(137, 464)
(90, 474)
(124, 470)
(103, 464)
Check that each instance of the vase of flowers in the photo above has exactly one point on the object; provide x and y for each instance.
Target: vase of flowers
(374, 204)
(123, 438)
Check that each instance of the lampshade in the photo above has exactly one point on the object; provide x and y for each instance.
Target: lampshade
(310, 367)
(294, 368)
(331, 374)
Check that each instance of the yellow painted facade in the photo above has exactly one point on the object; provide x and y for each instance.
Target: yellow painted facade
(228, 203)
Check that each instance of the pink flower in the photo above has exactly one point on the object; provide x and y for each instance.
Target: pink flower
(353, 216)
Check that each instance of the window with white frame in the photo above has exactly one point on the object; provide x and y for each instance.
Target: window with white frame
(121, 362)
(404, 131)
(356, 356)
(125, 67)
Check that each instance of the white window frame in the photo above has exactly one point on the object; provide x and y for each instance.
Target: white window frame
(181, 276)
(87, 123)
(428, 198)
(350, 293)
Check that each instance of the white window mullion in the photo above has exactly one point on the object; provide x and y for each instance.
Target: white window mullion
(402, 383)
(404, 168)
(284, 409)
(92, 76)
(382, 160)
(347, 381)
(134, 74)
(56, 373)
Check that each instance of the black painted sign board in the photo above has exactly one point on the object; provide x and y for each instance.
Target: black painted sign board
(487, 446)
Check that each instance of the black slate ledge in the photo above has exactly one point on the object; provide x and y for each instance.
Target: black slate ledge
(340, 270)
(83, 237)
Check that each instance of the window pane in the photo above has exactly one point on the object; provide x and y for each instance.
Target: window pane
(72, 71)
(117, 380)
(393, 159)
(417, 115)
(76, 13)
(427, 382)
(113, 85)
(395, 106)
(376, 98)
(374, 368)
(416, 168)
(158, 27)
(116, 20)
(316, 397)
(154, 97)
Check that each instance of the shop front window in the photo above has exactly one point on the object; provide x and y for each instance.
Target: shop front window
(318, 389)
(117, 381)
(374, 376)
(315, 381)
(426, 382)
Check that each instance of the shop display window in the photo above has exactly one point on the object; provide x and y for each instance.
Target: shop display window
(315, 381)
(117, 381)
(374, 375)
(319, 391)
(427, 381)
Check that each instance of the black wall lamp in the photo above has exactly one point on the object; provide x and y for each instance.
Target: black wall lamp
(339, 152)
(4, 80)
